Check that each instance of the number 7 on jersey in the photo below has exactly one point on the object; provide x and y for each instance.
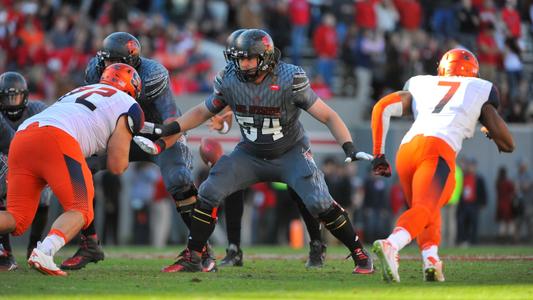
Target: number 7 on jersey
(454, 86)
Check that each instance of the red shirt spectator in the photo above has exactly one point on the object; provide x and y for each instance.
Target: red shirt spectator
(488, 49)
(410, 13)
(325, 41)
(299, 12)
(511, 18)
(365, 13)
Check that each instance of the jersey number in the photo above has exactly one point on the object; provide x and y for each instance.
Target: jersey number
(270, 126)
(102, 91)
(453, 88)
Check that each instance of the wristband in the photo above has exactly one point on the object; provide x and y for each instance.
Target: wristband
(348, 148)
(161, 145)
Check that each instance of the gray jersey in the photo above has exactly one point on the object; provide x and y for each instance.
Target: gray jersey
(8, 127)
(267, 113)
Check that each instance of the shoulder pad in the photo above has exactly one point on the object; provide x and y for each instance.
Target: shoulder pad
(154, 76)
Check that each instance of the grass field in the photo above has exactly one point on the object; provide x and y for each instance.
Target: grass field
(277, 272)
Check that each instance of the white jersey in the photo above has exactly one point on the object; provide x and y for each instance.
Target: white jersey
(89, 114)
(446, 107)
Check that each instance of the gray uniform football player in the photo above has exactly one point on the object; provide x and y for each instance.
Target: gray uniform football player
(267, 97)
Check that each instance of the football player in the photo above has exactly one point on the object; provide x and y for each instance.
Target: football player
(16, 109)
(158, 104)
(267, 96)
(50, 149)
(446, 109)
(234, 204)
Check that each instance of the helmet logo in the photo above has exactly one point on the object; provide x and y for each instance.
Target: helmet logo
(133, 48)
(266, 42)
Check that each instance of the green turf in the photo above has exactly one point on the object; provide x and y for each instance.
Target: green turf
(128, 273)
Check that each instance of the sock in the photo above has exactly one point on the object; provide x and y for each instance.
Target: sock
(399, 238)
(5, 243)
(186, 217)
(52, 243)
(430, 251)
(203, 223)
(234, 210)
(311, 223)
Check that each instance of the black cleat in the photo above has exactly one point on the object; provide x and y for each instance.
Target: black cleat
(363, 262)
(233, 257)
(89, 251)
(187, 261)
(208, 259)
(7, 261)
(317, 254)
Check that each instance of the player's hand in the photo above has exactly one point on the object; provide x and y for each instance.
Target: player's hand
(161, 130)
(381, 166)
(352, 154)
(215, 123)
(486, 132)
(153, 148)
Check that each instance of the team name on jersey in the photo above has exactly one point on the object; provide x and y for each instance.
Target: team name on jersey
(258, 110)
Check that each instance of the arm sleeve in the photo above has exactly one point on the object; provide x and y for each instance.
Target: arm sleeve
(135, 118)
(303, 96)
(216, 102)
(6, 135)
(390, 105)
(494, 97)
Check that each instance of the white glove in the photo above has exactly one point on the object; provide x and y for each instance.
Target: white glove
(360, 156)
(147, 145)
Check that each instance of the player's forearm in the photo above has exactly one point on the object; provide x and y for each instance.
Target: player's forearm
(339, 130)
(194, 117)
(388, 106)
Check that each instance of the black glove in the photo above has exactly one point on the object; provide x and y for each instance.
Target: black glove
(381, 166)
(352, 154)
(161, 130)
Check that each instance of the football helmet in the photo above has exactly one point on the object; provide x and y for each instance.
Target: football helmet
(458, 62)
(254, 43)
(123, 77)
(120, 47)
(13, 95)
(230, 43)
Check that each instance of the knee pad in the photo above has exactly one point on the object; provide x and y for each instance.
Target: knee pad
(185, 201)
(334, 217)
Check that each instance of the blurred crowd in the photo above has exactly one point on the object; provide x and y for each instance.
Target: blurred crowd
(358, 49)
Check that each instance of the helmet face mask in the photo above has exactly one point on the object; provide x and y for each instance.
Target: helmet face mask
(458, 62)
(120, 47)
(13, 95)
(123, 77)
(254, 43)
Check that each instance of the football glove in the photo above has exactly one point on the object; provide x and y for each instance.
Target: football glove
(381, 166)
(160, 129)
(153, 148)
(352, 154)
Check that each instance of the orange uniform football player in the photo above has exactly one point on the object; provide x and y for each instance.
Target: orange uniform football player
(50, 149)
(446, 109)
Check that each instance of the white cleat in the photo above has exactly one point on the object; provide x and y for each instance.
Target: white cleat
(44, 263)
(433, 269)
(389, 258)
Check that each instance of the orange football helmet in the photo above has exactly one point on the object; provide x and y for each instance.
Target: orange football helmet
(458, 62)
(123, 77)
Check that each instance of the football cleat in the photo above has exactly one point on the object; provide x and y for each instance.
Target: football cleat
(44, 263)
(389, 258)
(317, 254)
(7, 261)
(187, 261)
(433, 269)
(208, 259)
(89, 251)
(363, 262)
(233, 257)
